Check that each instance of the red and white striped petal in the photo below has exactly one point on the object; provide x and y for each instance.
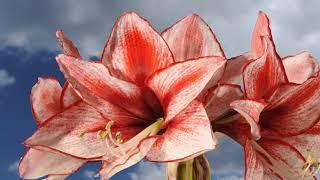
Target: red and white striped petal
(36, 164)
(263, 75)
(95, 78)
(250, 110)
(262, 28)
(68, 96)
(191, 38)
(45, 99)
(189, 134)
(300, 67)
(135, 50)
(64, 133)
(234, 69)
(179, 84)
(237, 128)
(254, 169)
(130, 152)
(68, 47)
(57, 177)
(308, 140)
(218, 99)
(132, 157)
(293, 109)
(285, 160)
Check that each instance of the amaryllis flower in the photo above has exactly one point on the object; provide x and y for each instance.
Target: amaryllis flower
(280, 105)
(47, 99)
(147, 101)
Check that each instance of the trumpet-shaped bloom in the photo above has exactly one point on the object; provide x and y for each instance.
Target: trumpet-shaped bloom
(279, 110)
(136, 102)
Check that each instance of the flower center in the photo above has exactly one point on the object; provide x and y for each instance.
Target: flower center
(106, 133)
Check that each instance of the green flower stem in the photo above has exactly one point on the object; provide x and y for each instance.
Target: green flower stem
(185, 170)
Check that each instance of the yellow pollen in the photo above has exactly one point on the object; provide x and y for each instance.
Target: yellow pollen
(119, 139)
(108, 126)
(82, 133)
(311, 164)
(99, 133)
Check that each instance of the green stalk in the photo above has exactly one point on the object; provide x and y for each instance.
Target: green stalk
(185, 170)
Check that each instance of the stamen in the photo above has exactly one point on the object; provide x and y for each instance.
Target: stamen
(108, 126)
(311, 163)
(103, 134)
(82, 133)
(99, 134)
(119, 139)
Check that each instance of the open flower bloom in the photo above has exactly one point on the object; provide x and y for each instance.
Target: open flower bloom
(148, 103)
(47, 99)
(280, 110)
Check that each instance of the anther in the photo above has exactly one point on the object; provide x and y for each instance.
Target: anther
(82, 133)
(108, 126)
(311, 164)
(99, 133)
(119, 139)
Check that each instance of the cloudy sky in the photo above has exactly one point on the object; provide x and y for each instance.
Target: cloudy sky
(28, 47)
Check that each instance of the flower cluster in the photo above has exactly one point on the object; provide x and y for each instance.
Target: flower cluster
(168, 97)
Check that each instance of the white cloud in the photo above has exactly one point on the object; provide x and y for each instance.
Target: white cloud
(311, 39)
(89, 174)
(88, 24)
(6, 79)
(148, 170)
(13, 167)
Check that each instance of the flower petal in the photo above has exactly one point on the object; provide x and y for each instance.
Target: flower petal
(262, 28)
(234, 69)
(130, 152)
(237, 128)
(94, 77)
(191, 38)
(293, 109)
(57, 177)
(45, 99)
(131, 158)
(135, 50)
(263, 75)
(68, 96)
(179, 84)
(62, 133)
(250, 110)
(309, 140)
(300, 67)
(283, 158)
(218, 99)
(189, 134)
(36, 164)
(253, 165)
(68, 47)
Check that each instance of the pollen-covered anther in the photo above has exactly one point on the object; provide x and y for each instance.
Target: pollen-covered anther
(103, 134)
(311, 164)
(82, 133)
(119, 139)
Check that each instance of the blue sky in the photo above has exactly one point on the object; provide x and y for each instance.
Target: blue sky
(28, 49)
